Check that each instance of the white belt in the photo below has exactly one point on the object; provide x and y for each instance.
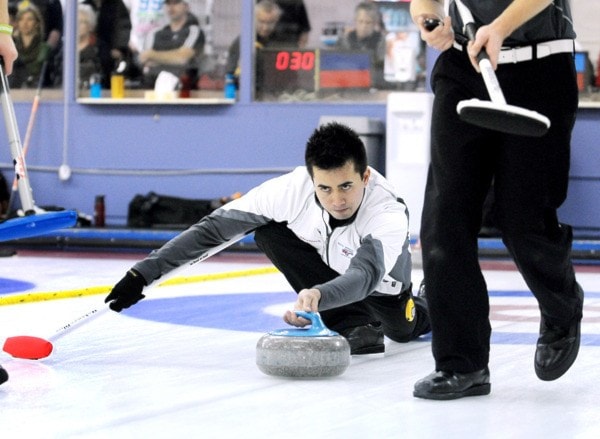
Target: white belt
(527, 53)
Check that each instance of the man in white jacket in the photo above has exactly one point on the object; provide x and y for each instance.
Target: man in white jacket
(337, 231)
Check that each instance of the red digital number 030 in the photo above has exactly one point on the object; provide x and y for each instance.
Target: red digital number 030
(295, 61)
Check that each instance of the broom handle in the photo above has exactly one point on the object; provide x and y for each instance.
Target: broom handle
(85, 318)
(32, 116)
(25, 192)
(94, 313)
(487, 70)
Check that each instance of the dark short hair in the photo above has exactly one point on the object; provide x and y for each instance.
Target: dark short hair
(332, 145)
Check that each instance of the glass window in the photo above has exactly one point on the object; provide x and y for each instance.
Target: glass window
(587, 57)
(313, 50)
(154, 49)
(38, 32)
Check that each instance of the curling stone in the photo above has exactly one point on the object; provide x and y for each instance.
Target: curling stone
(313, 352)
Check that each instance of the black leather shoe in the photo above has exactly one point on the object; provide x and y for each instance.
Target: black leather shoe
(367, 339)
(443, 385)
(557, 347)
(3, 375)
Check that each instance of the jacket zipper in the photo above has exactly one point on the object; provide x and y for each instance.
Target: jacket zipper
(328, 233)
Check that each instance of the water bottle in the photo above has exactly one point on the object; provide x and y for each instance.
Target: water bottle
(95, 86)
(230, 88)
(185, 85)
(99, 211)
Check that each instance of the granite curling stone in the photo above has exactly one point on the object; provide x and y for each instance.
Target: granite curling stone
(315, 352)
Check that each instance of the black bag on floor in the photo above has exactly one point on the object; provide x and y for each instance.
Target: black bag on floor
(166, 212)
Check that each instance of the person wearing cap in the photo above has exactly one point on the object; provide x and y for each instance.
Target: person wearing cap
(530, 44)
(176, 47)
(267, 14)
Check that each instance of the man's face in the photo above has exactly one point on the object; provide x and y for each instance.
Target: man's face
(265, 23)
(176, 9)
(365, 25)
(340, 190)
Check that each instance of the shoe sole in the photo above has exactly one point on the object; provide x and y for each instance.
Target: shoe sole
(374, 349)
(478, 390)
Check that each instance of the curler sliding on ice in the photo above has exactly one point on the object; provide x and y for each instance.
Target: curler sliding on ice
(35, 221)
(496, 114)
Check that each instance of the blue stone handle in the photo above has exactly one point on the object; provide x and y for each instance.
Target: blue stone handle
(317, 328)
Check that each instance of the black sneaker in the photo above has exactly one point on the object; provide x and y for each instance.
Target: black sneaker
(367, 339)
(3, 375)
(557, 347)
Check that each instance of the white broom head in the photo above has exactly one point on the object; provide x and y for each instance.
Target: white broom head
(505, 118)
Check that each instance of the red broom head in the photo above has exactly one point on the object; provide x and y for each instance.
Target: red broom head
(27, 347)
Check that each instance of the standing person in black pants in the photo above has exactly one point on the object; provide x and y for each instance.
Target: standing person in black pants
(530, 44)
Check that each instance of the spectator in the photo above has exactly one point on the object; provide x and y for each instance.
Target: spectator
(113, 30)
(293, 27)
(52, 14)
(89, 59)
(175, 48)
(367, 35)
(33, 50)
(266, 15)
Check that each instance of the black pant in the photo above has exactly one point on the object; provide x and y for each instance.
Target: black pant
(303, 268)
(530, 182)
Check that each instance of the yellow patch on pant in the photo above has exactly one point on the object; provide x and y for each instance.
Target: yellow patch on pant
(410, 311)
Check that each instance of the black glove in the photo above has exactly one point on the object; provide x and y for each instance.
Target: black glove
(127, 292)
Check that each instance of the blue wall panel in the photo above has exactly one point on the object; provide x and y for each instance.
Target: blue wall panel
(581, 207)
(209, 151)
(585, 161)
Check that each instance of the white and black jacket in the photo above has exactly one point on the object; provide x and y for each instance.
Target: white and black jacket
(371, 253)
